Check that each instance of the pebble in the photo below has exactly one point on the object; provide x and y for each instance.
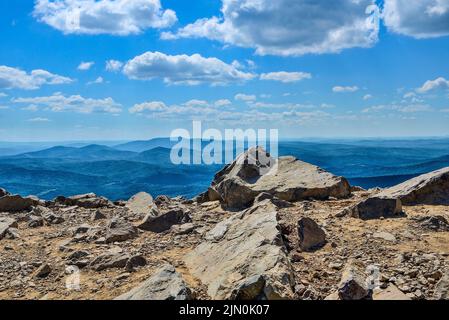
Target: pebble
(336, 265)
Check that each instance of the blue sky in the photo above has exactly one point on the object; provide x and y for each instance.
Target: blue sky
(307, 68)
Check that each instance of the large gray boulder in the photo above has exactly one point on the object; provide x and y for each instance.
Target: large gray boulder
(113, 258)
(244, 257)
(376, 206)
(164, 221)
(311, 236)
(15, 203)
(165, 284)
(142, 204)
(119, 231)
(287, 178)
(431, 188)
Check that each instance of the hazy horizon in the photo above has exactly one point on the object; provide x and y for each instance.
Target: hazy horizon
(336, 138)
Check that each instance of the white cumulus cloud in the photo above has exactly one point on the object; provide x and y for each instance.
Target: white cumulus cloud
(430, 85)
(194, 106)
(84, 66)
(285, 77)
(116, 17)
(342, 89)
(222, 103)
(99, 80)
(13, 78)
(183, 69)
(196, 103)
(75, 103)
(114, 65)
(289, 27)
(245, 97)
(153, 106)
(418, 19)
(283, 114)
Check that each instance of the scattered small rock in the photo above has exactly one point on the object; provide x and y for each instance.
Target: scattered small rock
(353, 284)
(113, 258)
(311, 236)
(119, 231)
(43, 271)
(183, 228)
(97, 215)
(442, 288)
(135, 262)
(35, 221)
(433, 223)
(164, 221)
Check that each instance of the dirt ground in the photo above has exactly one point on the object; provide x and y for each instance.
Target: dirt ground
(406, 253)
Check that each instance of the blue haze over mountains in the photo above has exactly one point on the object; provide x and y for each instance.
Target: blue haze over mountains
(118, 170)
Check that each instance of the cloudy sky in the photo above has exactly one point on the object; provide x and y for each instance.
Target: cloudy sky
(136, 69)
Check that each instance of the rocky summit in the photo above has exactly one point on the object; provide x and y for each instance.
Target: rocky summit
(287, 178)
(271, 229)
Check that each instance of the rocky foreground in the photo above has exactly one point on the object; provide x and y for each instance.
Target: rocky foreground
(297, 233)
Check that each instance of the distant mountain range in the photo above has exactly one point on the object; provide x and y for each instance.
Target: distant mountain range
(144, 145)
(90, 152)
(14, 148)
(119, 170)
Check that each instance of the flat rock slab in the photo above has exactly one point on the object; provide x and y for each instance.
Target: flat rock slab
(389, 294)
(88, 201)
(5, 224)
(244, 257)
(113, 258)
(384, 236)
(431, 189)
(239, 183)
(165, 284)
(183, 228)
